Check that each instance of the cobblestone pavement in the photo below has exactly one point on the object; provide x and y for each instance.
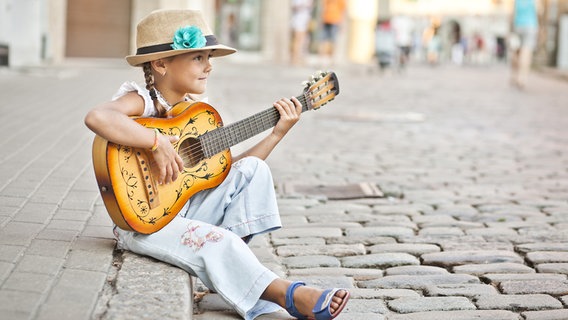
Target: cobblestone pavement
(472, 224)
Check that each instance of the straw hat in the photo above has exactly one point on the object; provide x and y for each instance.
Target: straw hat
(166, 33)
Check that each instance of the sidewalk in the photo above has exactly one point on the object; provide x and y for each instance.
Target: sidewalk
(472, 225)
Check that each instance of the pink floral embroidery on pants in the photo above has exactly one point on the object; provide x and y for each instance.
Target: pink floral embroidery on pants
(196, 239)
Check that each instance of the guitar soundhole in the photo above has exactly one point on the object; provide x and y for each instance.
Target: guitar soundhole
(191, 152)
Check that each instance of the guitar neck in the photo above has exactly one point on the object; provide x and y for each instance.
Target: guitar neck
(225, 137)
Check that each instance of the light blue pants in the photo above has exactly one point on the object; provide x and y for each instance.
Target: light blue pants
(204, 239)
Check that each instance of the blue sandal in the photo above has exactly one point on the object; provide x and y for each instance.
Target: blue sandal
(322, 308)
(290, 307)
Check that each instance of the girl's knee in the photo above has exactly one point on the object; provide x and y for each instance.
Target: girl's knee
(249, 166)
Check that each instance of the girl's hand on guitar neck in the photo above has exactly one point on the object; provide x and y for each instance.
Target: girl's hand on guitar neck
(167, 162)
(290, 111)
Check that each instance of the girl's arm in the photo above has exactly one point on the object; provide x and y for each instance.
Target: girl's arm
(290, 110)
(111, 121)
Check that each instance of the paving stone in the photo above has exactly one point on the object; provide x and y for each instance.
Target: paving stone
(494, 231)
(19, 303)
(336, 250)
(552, 268)
(40, 264)
(385, 294)
(78, 291)
(442, 240)
(435, 231)
(561, 314)
(19, 233)
(551, 287)
(522, 225)
(432, 217)
(504, 267)
(311, 261)
(361, 315)
(367, 241)
(496, 278)
(456, 315)
(415, 270)
(416, 249)
(467, 290)
(379, 232)
(403, 209)
(464, 225)
(297, 241)
(10, 253)
(421, 304)
(417, 281)
(375, 306)
(453, 258)
(379, 260)
(537, 257)
(518, 302)
(470, 242)
(307, 232)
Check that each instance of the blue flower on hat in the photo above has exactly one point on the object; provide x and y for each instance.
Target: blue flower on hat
(188, 37)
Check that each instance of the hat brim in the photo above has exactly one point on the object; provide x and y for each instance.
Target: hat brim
(219, 50)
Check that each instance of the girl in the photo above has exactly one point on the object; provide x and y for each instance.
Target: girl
(207, 238)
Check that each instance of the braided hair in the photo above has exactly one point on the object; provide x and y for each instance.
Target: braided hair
(149, 78)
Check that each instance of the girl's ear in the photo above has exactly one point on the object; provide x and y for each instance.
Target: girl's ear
(159, 66)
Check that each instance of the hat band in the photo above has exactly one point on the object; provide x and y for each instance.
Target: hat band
(210, 41)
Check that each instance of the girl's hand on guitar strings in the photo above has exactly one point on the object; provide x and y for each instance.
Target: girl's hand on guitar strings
(168, 163)
(290, 111)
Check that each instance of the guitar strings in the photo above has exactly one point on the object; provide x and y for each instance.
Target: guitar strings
(196, 151)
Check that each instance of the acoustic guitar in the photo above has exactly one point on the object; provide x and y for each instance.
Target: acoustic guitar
(132, 196)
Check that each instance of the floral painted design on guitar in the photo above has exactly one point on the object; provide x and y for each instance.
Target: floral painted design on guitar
(197, 168)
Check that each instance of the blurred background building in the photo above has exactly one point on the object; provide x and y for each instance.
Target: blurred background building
(49, 32)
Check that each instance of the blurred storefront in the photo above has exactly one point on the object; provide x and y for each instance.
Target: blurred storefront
(36, 32)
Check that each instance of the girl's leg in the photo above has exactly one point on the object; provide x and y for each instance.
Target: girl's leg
(218, 257)
(245, 203)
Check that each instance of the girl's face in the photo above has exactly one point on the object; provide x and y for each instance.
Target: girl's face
(188, 73)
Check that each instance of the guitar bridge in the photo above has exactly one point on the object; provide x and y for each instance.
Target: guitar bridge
(150, 186)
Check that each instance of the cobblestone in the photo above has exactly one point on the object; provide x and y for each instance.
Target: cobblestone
(551, 287)
(466, 290)
(504, 267)
(422, 304)
(518, 302)
(453, 258)
(379, 260)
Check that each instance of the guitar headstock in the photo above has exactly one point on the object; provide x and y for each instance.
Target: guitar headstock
(320, 89)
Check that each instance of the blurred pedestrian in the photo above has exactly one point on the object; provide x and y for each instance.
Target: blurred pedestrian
(403, 28)
(385, 45)
(208, 237)
(333, 12)
(301, 18)
(523, 41)
(432, 43)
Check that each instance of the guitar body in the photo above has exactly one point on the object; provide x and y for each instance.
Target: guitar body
(132, 197)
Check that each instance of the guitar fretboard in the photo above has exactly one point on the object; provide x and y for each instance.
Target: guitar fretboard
(225, 137)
